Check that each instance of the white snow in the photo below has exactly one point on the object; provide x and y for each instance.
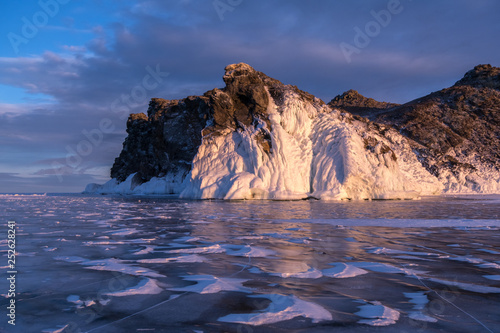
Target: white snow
(315, 152)
(208, 284)
(145, 287)
(281, 308)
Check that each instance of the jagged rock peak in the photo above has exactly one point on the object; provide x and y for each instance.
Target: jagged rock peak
(238, 69)
(354, 98)
(482, 76)
(355, 103)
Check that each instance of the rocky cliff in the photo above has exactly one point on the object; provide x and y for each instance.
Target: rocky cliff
(455, 132)
(258, 138)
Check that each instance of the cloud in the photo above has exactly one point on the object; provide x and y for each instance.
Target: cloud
(290, 40)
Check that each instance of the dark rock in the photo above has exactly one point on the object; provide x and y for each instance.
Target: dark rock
(355, 103)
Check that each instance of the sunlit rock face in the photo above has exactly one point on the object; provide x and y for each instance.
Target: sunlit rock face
(257, 138)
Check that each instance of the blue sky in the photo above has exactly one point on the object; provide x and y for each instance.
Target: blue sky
(64, 85)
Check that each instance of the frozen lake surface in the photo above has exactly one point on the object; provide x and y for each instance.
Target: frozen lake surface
(150, 264)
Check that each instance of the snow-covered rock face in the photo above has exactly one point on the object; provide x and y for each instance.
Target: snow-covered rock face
(260, 139)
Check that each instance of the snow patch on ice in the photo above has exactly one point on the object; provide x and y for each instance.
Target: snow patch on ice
(208, 284)
(144, 287)
(281, 308)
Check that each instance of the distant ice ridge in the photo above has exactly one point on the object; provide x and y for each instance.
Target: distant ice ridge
(315, 152)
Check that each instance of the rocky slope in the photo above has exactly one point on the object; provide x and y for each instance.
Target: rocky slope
(456, 131)
(258, 138)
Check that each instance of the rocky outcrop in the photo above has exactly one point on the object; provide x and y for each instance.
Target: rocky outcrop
(167, 139)
(164, 141)
(258, 138)
(355, 103)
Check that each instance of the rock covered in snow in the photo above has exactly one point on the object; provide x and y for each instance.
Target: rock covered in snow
(257, 138)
